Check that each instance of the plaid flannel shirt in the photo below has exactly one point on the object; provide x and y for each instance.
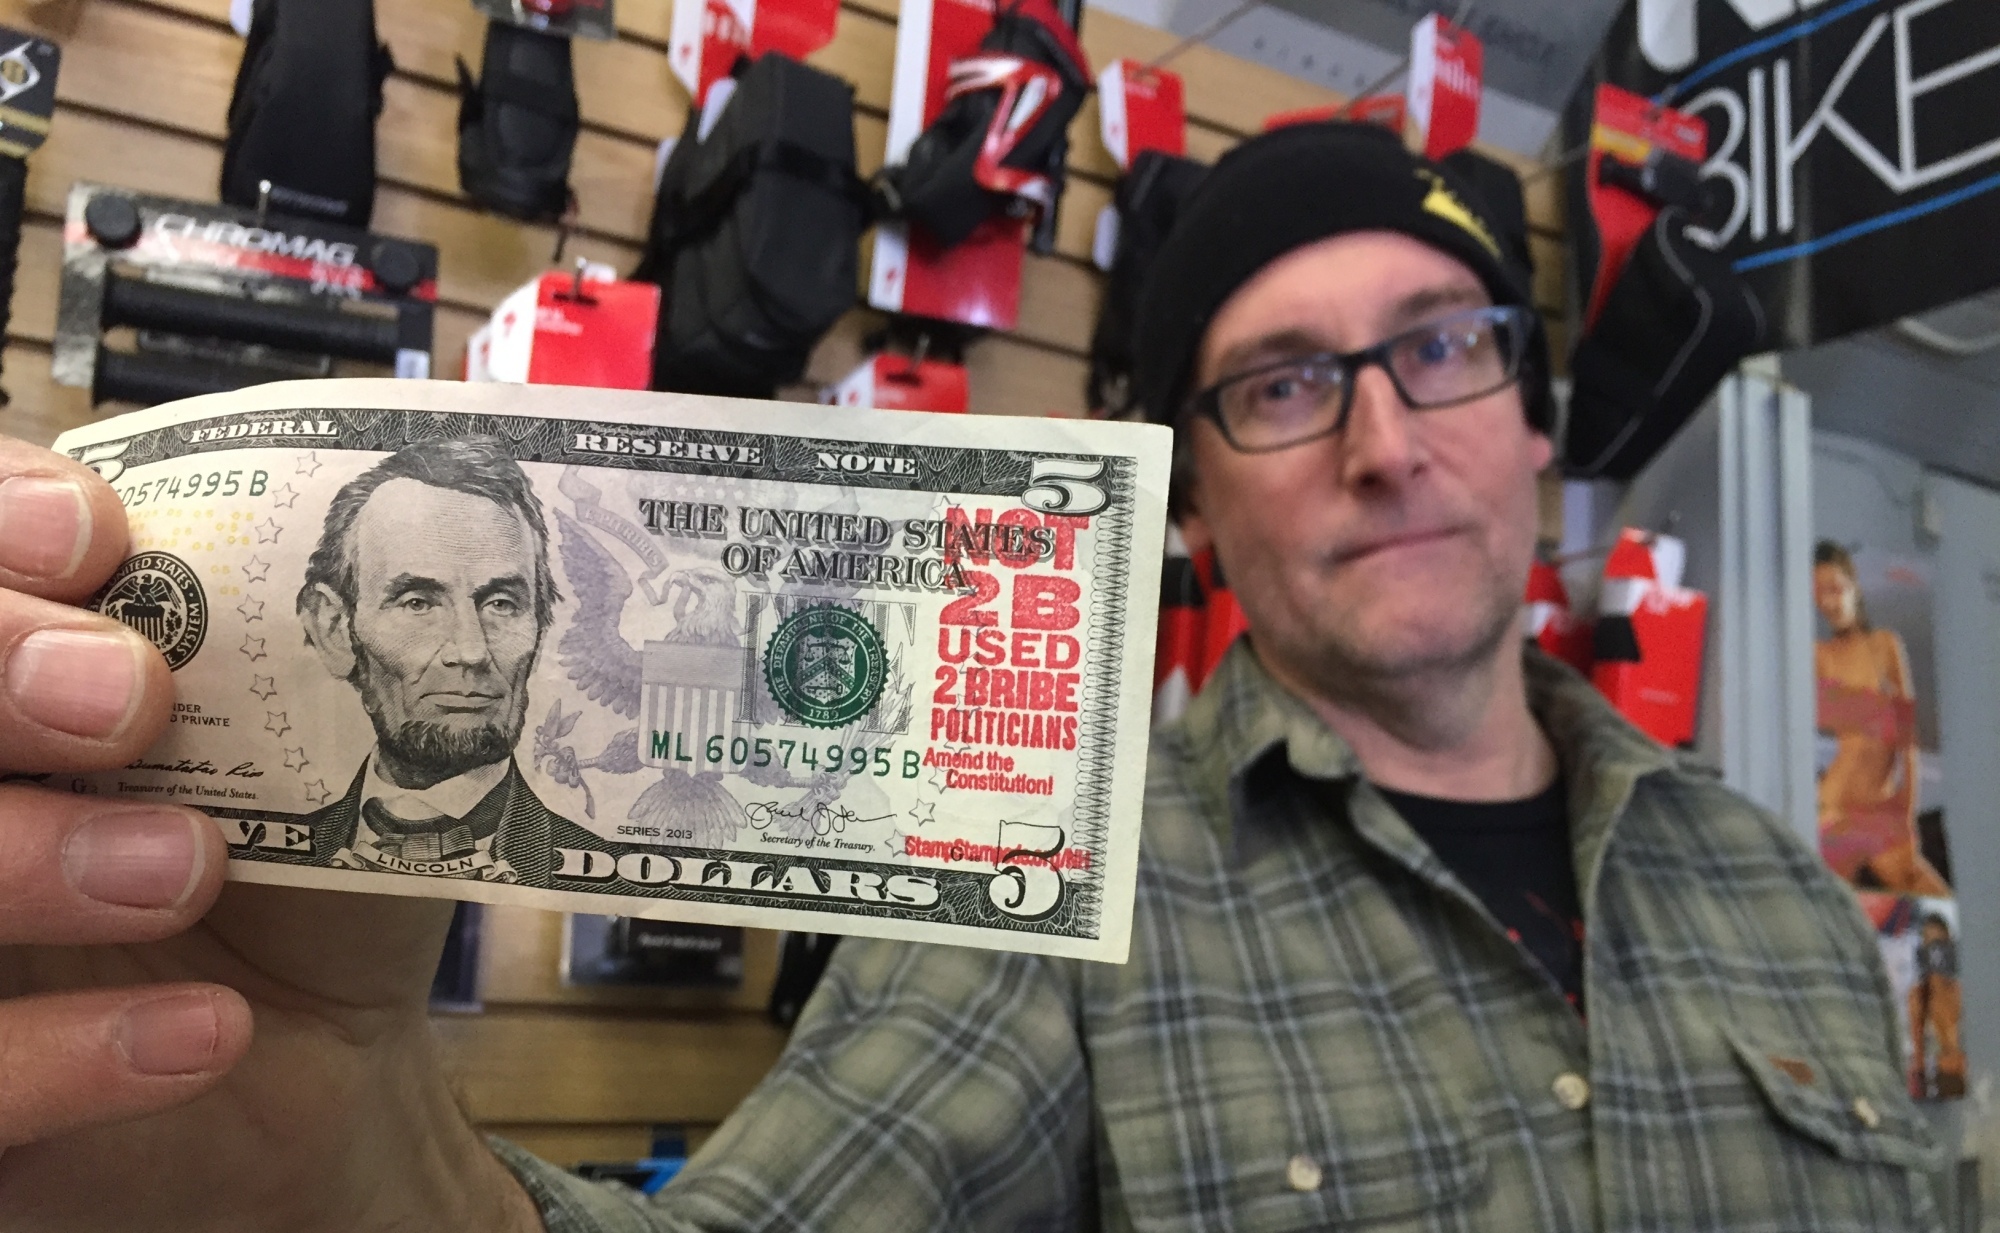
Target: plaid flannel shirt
(1320, 1027)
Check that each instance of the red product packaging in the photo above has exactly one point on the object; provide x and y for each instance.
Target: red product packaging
(891, 382)
(562, 329)
(1140, 108)
(1177, 650)
(1630, 131)
(1387, 110)
(1223, 621)
(1447, 64)
(977, 282)
(1552, 624)
(709, 36)
(1649, 637)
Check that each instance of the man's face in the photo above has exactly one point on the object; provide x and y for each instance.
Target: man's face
(1399, 545)
(444, 629)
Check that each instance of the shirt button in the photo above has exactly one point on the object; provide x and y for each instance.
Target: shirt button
(1302, 1173)
(1865, 1113)
(1572, 1091)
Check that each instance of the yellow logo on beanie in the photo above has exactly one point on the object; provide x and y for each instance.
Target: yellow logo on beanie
(1444, 203)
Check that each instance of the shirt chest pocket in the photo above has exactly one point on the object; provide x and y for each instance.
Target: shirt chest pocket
(1279, 1155)
(1847, 1133)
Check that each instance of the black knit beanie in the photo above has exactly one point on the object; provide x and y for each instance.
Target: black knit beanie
(1289, 188)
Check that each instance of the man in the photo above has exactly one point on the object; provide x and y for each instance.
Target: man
(429, 592)
(1325, 1021)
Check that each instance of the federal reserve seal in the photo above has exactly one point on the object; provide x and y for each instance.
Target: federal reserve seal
(158, 595)
(826, 665)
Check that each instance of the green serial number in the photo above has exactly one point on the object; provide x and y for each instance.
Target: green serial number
(200, 484)
(881, 762)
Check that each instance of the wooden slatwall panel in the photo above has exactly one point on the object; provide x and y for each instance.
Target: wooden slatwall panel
(144, 90)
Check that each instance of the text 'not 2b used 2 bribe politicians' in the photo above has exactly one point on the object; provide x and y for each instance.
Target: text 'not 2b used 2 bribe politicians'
(739, 662)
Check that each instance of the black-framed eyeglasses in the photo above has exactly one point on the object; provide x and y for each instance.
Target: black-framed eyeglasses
(1441, 363)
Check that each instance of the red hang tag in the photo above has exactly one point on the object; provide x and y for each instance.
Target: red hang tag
(562, 330)
(890, 382)
(1139, 109)
(1447, 65)
(1631, 130)
(708, 36)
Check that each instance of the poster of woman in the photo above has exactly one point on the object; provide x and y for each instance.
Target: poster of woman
(1879, 777)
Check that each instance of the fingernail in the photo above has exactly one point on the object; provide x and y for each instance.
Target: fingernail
(80, 681)
(137, 858)
(172, 1036)
(44, 526)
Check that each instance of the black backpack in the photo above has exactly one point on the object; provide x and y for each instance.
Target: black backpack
(755, 232)
(1676, 321)
(1148, 201)
(302, 115)
(517, 124)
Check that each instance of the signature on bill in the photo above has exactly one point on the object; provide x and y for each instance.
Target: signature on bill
(825, 818)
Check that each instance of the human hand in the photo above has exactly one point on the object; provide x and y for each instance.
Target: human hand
(174, 1053)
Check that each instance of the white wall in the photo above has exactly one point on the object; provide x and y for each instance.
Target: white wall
(1967, 597)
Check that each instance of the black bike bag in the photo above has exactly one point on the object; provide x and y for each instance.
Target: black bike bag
(302, 115)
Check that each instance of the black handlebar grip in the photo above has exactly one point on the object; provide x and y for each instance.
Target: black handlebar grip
(149, 379)
(293, 327)
(13, 197)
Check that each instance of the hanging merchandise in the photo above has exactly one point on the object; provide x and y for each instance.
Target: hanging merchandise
(222, 298)
(590, 19)
(1223, 621)
(1552, 624)
(1446, 68)
(1857, 159)
(27, 101)
(1648, 637)
(1665, 318)
(1641, 158)
(1140, 108)
(302, 115)
(940, 120)
(999, 144)
(585, 327)
(755, 231)
(1146, 204)
(1674, 325)
(517, 124)
(709, 37)
(891, 382)
(1177, 646)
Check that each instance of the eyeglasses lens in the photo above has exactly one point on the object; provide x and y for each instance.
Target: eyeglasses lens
(1280, 405)
(1453, 361)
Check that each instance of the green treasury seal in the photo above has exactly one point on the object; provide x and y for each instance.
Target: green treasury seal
(826, 665)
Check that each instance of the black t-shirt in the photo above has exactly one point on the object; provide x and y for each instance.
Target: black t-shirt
(1514, 855)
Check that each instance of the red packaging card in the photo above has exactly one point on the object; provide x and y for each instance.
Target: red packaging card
(546, 334)
(1140, 109)
(1631, 128)
(1446, 67)
(1654, 680)
(890, 382)
(708, 36)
